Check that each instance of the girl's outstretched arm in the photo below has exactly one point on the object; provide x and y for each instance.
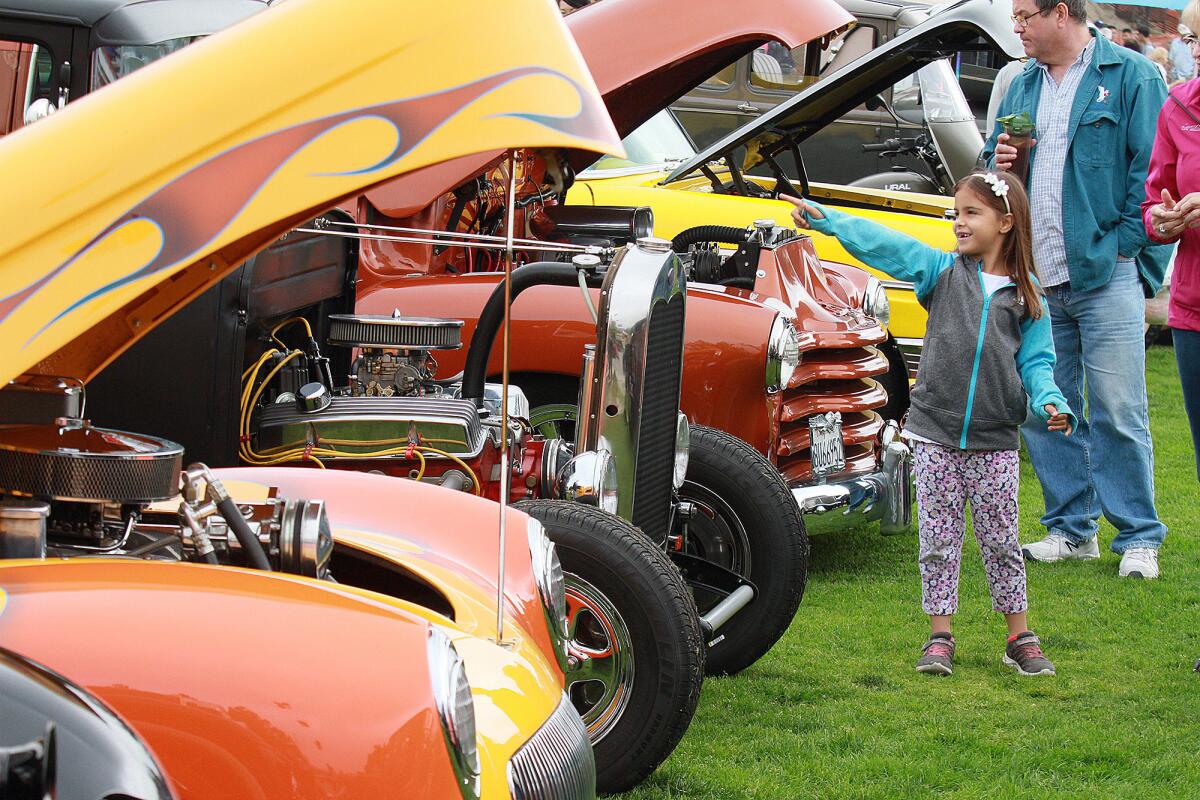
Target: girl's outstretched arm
(1035, 363)
(897, 254)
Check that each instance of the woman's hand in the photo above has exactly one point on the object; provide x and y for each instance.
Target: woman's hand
(1057, 421)
(1166, 217)
(1188, 208)
(802, 211)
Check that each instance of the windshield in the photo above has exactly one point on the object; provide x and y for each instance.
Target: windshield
(933, 93)
(112, 62)
(658, 140)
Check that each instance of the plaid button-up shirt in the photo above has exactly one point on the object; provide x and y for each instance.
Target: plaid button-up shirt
(1046, 178)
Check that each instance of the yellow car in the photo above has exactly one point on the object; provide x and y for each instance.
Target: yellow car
(734, 182)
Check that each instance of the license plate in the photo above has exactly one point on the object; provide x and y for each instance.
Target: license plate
(828, 456)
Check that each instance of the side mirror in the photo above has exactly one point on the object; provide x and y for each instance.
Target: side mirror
(876, 103)
(39, 109)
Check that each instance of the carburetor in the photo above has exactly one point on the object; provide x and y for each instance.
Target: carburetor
(396, 352)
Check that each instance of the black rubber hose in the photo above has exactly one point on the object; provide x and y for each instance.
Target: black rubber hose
(738, 282)
(540, 273)
(724, 234)
(245, 536)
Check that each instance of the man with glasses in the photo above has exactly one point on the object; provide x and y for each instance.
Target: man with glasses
(1095, 106)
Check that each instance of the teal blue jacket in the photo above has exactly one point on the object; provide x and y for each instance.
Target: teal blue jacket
(986, 363)
(1113, 121)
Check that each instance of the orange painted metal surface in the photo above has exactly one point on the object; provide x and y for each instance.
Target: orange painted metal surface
(450, 538)
(172, 648)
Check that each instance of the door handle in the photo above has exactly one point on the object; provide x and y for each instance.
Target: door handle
(746, 108)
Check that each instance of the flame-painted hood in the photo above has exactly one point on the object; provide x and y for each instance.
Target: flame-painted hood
(193, 178)
(644, 55)
(943, 34)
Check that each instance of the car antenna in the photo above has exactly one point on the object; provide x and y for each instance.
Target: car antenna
(505, 471)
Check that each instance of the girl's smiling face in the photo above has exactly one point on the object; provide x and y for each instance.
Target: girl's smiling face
(978, 226)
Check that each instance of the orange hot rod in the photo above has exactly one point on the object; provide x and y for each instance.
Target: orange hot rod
(789, 361)
(260, 641)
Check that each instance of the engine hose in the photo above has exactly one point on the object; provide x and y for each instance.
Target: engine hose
(724, 234)
(245, 536)
(535, 274)
(738, 283)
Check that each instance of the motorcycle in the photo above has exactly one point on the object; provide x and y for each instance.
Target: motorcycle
(949, 144)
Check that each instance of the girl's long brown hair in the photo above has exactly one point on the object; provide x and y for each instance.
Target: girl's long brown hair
(1017, 251)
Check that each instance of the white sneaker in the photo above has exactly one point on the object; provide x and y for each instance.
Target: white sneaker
(1139, 562)
(1057, 547)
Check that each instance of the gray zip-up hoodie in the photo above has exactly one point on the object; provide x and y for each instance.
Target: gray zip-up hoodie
(986, 362)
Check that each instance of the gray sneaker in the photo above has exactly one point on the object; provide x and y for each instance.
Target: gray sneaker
(937, 655)
(1024, 654)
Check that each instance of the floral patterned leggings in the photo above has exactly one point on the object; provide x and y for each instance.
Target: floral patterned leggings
(946, 479)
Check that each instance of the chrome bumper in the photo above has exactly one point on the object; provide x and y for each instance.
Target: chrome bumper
(885, 495)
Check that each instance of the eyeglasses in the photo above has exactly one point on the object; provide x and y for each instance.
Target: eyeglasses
(1022, 20)
(1190, 41)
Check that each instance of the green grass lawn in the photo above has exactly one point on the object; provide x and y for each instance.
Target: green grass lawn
(836, 709)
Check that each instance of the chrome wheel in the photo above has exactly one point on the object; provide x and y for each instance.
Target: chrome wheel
(598, 638)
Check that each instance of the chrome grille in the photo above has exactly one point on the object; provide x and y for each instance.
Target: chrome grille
(660, 410)
(831, 379)
(557, 762)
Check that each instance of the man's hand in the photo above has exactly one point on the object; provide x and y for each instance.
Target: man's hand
(1057, 421)
(801, 209)
(1006, 154)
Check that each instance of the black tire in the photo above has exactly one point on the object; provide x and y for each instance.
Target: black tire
(747, 522)
(620, 587)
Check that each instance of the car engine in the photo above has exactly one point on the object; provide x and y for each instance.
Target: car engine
(71, 489)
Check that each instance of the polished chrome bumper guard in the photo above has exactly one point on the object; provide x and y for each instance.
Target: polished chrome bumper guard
(885, 495)
(557, 762)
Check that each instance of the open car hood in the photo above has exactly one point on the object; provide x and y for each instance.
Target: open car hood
(193, 179)
(943, 34)
(644, 55)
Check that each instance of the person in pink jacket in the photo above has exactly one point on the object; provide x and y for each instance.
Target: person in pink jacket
(1172, 214)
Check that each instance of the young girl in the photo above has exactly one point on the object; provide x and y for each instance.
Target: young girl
(987, 346)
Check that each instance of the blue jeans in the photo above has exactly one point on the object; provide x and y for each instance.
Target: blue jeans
(1187, 355)
(1107, 463)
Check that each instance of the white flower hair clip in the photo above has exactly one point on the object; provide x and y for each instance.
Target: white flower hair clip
(999, 188)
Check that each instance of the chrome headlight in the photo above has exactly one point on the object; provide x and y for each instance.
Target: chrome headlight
(783, 354)
(876, 303)
(456, 711)
(683, 440)
(590, 477)
(551, 585)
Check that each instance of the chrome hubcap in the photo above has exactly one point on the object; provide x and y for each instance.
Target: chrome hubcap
(716, 533)
(598, 639)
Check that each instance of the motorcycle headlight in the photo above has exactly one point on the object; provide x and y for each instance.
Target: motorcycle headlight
(456, 711)
(590, 477)
(551, 585)
(783, 354)
(876, 303)
(683, 439)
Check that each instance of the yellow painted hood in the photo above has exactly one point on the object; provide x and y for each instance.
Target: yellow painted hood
(137, 197)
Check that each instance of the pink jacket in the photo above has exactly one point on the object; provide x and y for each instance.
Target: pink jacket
(1175, 166)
